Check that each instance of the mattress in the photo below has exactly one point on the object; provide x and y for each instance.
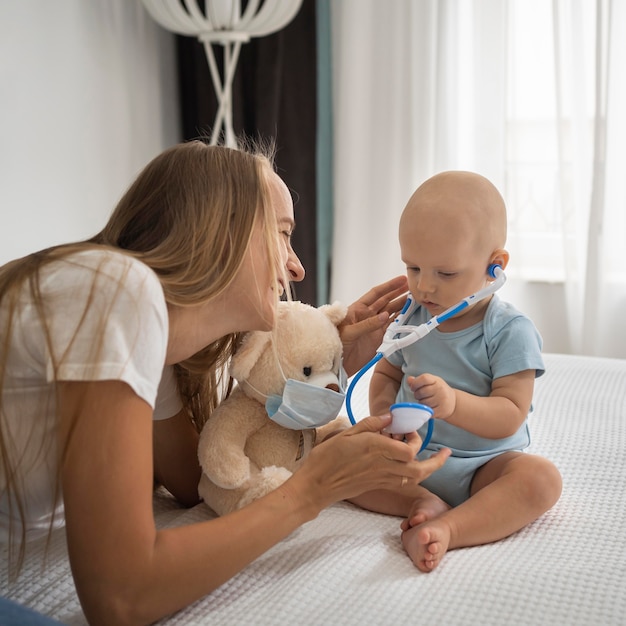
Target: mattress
(348, 566)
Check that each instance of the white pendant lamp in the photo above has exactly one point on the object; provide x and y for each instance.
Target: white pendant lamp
(223, 23)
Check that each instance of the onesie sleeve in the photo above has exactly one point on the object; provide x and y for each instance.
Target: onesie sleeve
(515, 347)
(396, 359)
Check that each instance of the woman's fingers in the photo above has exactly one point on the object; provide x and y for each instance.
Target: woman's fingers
(373, 324)
(364, 460)
(363, 328)
(372, 424)
(388, 297)
(379, 297)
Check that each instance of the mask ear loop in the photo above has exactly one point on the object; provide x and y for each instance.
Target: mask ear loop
(245, 382)
(280, 369)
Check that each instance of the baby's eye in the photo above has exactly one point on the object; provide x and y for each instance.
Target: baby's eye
(447, 274)
(307, 371)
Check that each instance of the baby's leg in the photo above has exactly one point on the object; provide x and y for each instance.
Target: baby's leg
(425, 506)
(416, 504)
(507, 493)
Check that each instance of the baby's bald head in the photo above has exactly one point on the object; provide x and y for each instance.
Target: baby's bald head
(461, 203)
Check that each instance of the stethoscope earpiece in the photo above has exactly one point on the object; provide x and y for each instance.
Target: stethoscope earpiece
(491, 270)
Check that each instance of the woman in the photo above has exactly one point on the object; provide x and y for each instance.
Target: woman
(110, 346)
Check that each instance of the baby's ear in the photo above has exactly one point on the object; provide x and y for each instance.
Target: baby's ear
(248, 353)
(500, 257)
(336, 312)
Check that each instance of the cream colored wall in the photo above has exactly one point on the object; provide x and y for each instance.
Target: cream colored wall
(88, 96)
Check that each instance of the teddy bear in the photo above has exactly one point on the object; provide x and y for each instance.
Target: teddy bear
(244, 454)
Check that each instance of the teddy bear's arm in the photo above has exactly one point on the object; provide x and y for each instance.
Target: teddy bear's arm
(221, 450)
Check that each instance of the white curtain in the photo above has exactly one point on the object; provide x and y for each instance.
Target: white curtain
(528, 93)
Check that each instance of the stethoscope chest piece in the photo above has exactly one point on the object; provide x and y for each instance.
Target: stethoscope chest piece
(407, 417)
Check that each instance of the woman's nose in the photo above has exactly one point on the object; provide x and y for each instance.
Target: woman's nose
(294, 268)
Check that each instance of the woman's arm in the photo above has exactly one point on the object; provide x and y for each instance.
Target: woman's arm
(124, 569)
(127, 572)
(175, 452)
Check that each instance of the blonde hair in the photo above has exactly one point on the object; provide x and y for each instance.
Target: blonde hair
(189, 216)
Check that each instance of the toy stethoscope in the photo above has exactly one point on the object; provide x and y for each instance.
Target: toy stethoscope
(408, 416)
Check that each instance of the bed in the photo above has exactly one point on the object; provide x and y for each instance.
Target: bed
(348, 567)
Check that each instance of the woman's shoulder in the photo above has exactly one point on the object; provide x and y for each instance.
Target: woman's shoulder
(93, 287)
(115, 264)
(95, 314)
(112, 296)
(103, 271)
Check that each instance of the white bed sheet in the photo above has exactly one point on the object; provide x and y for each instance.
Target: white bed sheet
(348, 566)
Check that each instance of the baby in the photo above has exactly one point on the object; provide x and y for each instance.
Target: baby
(476, 371)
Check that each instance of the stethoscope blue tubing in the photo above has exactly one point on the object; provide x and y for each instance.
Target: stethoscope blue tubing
(377, 357)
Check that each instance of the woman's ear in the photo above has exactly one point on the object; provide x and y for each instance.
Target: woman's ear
(500, 257)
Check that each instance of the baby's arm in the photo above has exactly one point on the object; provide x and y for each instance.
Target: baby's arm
(496, 416)
(384, 386)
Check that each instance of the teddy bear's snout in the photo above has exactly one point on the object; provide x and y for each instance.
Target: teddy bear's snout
(323, 379)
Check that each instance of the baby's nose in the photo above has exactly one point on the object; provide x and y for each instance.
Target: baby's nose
(425, 285)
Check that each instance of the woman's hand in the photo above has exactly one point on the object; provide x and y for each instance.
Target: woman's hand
(367, 319)
(361, 459)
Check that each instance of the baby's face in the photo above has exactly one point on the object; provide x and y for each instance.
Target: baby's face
(447, 242)
(443, 265)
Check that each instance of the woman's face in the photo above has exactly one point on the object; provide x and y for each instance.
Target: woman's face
(255, 281)
(283, 205)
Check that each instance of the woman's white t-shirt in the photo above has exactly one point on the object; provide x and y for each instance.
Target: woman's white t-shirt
(107, 320)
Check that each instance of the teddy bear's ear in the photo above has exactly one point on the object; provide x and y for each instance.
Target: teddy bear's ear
(248, 353)
(336, 312)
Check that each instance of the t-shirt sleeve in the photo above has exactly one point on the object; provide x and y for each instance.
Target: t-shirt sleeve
(168, 402)
(108, 321)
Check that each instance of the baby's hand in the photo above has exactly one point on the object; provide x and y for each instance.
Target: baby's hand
(434, 392)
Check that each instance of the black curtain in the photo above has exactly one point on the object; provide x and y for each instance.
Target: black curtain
(274, 96)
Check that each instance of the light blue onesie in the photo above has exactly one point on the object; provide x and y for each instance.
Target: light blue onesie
(504, 342)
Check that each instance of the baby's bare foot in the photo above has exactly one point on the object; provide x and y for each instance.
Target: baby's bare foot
(425, 507)
(427, 544)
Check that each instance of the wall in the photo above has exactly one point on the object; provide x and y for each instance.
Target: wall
(88, 95)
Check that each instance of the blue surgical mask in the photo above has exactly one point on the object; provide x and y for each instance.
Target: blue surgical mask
(303, 405)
